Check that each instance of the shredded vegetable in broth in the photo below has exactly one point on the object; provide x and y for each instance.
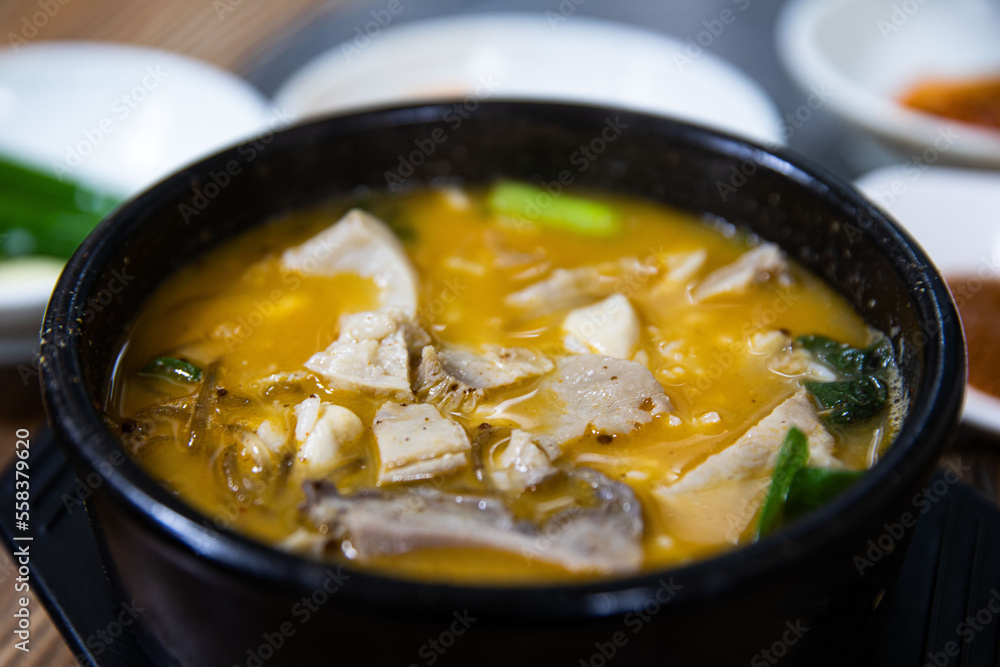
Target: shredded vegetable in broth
(495, 385)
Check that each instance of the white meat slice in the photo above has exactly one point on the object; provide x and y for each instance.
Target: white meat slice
(371, 354)
(324, 431)
(755, 453)
(457, 379)
(608, 327)
(306, 416)
(756, 266)
(360, 243)
(769, 341)
(720, 513)
(798, 363)
(568, 288)
(678, 270)
(784, 358)
(272, 435)
(588, 391)
(522, 464)
(415, 441)
(682, 267)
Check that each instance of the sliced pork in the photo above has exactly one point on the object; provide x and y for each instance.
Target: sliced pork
(456, 379)
(522, 464)
(754, 454)
(608, 327)
(756, 266)
(415, 441)
(372, 354)
(362, 244)
(569, 288)
(324, 433)
(587, 392)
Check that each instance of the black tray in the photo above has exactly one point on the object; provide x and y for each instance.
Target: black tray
(939, 613)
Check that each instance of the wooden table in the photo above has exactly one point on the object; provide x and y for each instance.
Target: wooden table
(226, 33)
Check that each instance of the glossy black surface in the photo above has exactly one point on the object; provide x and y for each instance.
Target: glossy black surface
(216, 594)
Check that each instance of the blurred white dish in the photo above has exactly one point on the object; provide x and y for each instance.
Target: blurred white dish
(524, 56)
(955, 215)
(25, 286)
(115, 117)
(120, 117)
(866, 53)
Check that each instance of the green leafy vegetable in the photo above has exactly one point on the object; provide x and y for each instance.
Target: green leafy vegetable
(880, 357)
(41, 215)
(848, 361)
(555, 211)
(33, 228)
(792, 457)
(862, 392)
(812, 488)
(169, 368)
(841, 357)
(850, 401)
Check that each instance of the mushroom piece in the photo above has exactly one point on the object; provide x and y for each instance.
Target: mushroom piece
(601, 533)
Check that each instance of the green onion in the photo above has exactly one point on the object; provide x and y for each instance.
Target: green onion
(26, 180)
(850, 401)
(175, 370)
(29, 227)
(812, 488)
(554, 210)
(41, 215)
(792, 457)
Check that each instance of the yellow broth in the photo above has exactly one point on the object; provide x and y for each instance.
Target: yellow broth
(236, 310)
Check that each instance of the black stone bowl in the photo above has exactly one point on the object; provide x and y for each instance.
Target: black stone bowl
(212, 597)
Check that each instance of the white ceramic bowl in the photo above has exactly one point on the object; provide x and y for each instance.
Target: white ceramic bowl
(865, 53)
(116, 117)
(528, 56)
(955, 215)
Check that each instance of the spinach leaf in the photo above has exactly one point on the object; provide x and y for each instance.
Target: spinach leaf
(812, 488)
(850, 401)
(792, 458)
(862, 392)
(848, 361)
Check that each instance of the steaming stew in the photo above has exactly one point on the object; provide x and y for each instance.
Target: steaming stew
(497, 385)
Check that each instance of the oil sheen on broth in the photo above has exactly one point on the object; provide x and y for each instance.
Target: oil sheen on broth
(473, 391)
